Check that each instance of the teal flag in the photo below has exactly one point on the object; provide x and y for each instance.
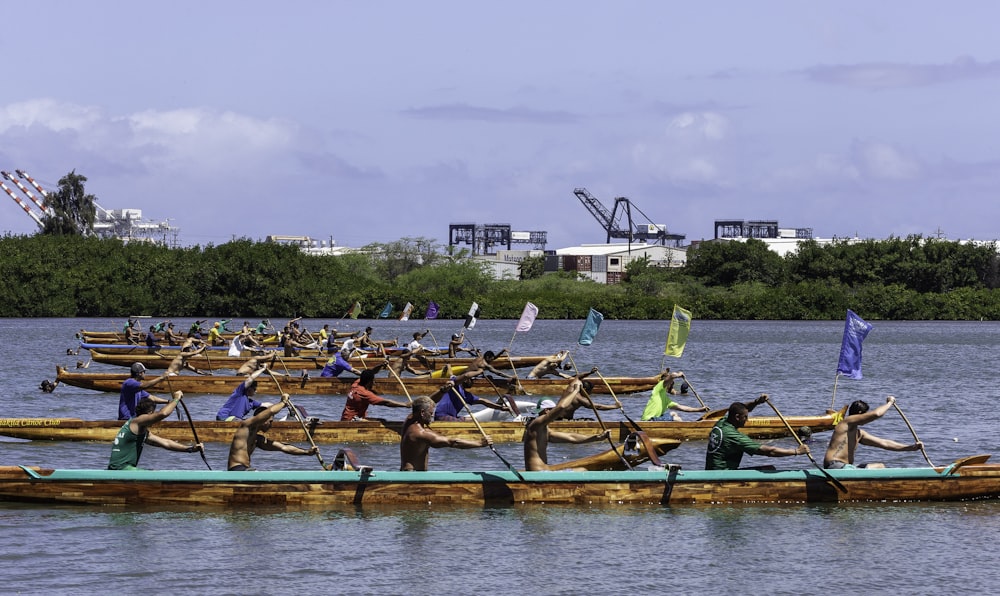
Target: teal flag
(386, 311)
(590, 327)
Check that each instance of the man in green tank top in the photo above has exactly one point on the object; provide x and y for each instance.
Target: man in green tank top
(127, 446)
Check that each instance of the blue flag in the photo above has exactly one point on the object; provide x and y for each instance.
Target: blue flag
(432, 311)
(386, 311)
(855, 331)
(590, 327)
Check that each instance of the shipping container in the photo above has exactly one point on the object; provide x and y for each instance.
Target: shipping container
(553, 262)
(599, 263)
(569, 262)
(583, 263)
(615, 277)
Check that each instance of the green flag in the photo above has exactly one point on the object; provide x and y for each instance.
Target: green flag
(680, 326)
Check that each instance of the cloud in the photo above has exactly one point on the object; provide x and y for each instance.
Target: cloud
(48, 114)
(691, 149)
(484, 114)
(889, 75)
(882, 161)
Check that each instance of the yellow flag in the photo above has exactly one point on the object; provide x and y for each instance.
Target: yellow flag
(680, 326)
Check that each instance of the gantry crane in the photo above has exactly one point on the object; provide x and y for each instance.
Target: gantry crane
(612, 222)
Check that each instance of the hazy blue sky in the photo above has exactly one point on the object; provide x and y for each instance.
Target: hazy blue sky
(371, 121)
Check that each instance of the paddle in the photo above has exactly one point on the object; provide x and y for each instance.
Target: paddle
(194, 431)
(208, 360)
(400, 381)
(620, 407)
(695, 392)
(912, 432)
(511, 402)
(480, 427)
(298, 416)
(835, 482)
(605, 428)
(437, 347)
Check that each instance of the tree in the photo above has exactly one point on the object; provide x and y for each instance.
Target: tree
(74, 208)
(532, 267)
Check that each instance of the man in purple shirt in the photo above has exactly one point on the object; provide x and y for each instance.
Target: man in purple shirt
(134, 389)
(337, 364)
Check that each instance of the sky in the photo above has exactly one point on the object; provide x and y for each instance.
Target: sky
(364, 122)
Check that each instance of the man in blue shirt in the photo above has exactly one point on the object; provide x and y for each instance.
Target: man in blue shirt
(337, 364)
(241, 401)
(134, 389)
(456, 390)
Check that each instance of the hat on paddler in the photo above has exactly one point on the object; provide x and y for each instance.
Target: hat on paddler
(138, 367)
(544, 404)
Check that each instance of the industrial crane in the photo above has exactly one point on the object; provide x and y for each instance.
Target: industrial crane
(611, 221)
(124, 224)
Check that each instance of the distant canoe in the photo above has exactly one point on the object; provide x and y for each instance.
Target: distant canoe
(261, 491)
(220, 359)
(387, 431)
(225, 384)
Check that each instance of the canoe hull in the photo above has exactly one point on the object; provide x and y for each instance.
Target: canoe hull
(331, 489)
(384, 385)
(218, 359)
(383, 431)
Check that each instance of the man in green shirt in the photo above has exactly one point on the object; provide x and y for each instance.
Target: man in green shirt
(127, 446)
(660, 404)
(726, 444)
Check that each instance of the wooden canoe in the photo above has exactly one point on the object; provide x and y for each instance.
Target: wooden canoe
(284, 490)
(384, 385)
(222, 360)
(113, 337)
(386, 431)
(616, 458)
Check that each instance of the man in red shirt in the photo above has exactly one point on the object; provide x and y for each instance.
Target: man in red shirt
(361, 396)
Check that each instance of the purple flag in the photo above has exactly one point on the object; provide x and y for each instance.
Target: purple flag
(855, 331)
(432, 311)
(527, 317)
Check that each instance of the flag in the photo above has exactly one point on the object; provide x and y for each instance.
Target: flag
(406, 312)
(680, 326)
(527, 317)
(354, 310)
(590, 327)
(386, 311)
(470, 319)
(432, 311)
(855, 330)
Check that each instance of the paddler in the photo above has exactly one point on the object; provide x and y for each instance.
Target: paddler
(127, 446)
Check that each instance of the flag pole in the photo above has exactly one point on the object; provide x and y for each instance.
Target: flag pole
(836, 377)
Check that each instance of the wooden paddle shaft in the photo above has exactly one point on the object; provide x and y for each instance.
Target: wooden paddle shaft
(836, 482)
(604, 429)
(408, 398)
(912, 432)
(194, 432)
(617, 401)
(298, 416)
(481, 430)
(695, 391)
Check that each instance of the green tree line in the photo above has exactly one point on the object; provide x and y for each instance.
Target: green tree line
(48, 275)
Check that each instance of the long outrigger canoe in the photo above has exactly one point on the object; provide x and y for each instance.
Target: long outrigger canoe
(125, 356)
(386, 431)
(966, 479)
(385, 385)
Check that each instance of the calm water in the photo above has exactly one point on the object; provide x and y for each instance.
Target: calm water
(942, 373)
